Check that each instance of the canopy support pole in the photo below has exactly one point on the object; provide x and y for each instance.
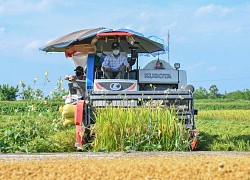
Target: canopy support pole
(90, 72)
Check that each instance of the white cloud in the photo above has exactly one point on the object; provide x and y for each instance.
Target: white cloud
(179, 39)
(212, 9)
(1, 8)
(173, 25)
(196, 65)
(212, 69)
(205, 10)
(236, 29)
(2, 29)
(129, 26)
(33, 46)
(15, 7)
(225, 11)
(143, 15)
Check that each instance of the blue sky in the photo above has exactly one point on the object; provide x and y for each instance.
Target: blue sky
(210, 39)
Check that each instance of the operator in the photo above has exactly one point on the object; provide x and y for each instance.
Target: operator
(77, 87)
(79, 74)
(115, 63)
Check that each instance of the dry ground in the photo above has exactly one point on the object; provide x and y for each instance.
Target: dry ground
(149, 165)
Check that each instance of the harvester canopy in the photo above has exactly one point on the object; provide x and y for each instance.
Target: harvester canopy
(98, 40)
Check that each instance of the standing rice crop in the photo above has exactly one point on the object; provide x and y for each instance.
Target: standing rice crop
(240, 115)
(139, 129)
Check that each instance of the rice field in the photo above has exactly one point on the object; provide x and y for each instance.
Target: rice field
(224, 130)
(236, 115)
(222, 104)
(38, 127)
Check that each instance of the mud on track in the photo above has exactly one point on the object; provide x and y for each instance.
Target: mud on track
(135, 165)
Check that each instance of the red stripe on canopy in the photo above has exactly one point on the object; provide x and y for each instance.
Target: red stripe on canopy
(115, 34)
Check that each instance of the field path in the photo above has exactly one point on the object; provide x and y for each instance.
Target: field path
(86, 155)
(133, 165)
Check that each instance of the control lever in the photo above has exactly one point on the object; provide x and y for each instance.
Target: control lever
(128, 73)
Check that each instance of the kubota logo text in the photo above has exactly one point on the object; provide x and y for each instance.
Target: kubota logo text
(157, 75)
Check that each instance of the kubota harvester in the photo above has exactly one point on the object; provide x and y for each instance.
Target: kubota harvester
(165, 85)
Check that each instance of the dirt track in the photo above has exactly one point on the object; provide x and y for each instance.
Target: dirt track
(136, 165)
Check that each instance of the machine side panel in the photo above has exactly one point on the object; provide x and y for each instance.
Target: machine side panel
(79, 114)
(182, 78)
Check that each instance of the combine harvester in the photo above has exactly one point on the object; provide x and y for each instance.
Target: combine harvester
(165, 85)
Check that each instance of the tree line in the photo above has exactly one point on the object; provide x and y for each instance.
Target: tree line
(213, 93)
(11, 93)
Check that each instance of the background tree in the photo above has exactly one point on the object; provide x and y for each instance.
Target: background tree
(27, 93)
(201, 93)
(8, 93)
(245, 94)
(213, 91)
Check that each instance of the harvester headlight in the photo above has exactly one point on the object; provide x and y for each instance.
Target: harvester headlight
(177, 66)
(190, 88)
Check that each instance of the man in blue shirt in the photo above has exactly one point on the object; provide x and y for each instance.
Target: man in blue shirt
(115, 63)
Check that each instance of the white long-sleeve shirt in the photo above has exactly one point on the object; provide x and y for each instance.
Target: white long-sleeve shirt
(114, 63)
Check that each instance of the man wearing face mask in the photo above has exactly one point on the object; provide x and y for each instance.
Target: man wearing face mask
(79, 87)
(79, 74)
(115, 63)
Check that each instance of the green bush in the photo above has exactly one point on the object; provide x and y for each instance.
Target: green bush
(36, 133)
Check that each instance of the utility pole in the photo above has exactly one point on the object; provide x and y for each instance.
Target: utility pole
(168, 48)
